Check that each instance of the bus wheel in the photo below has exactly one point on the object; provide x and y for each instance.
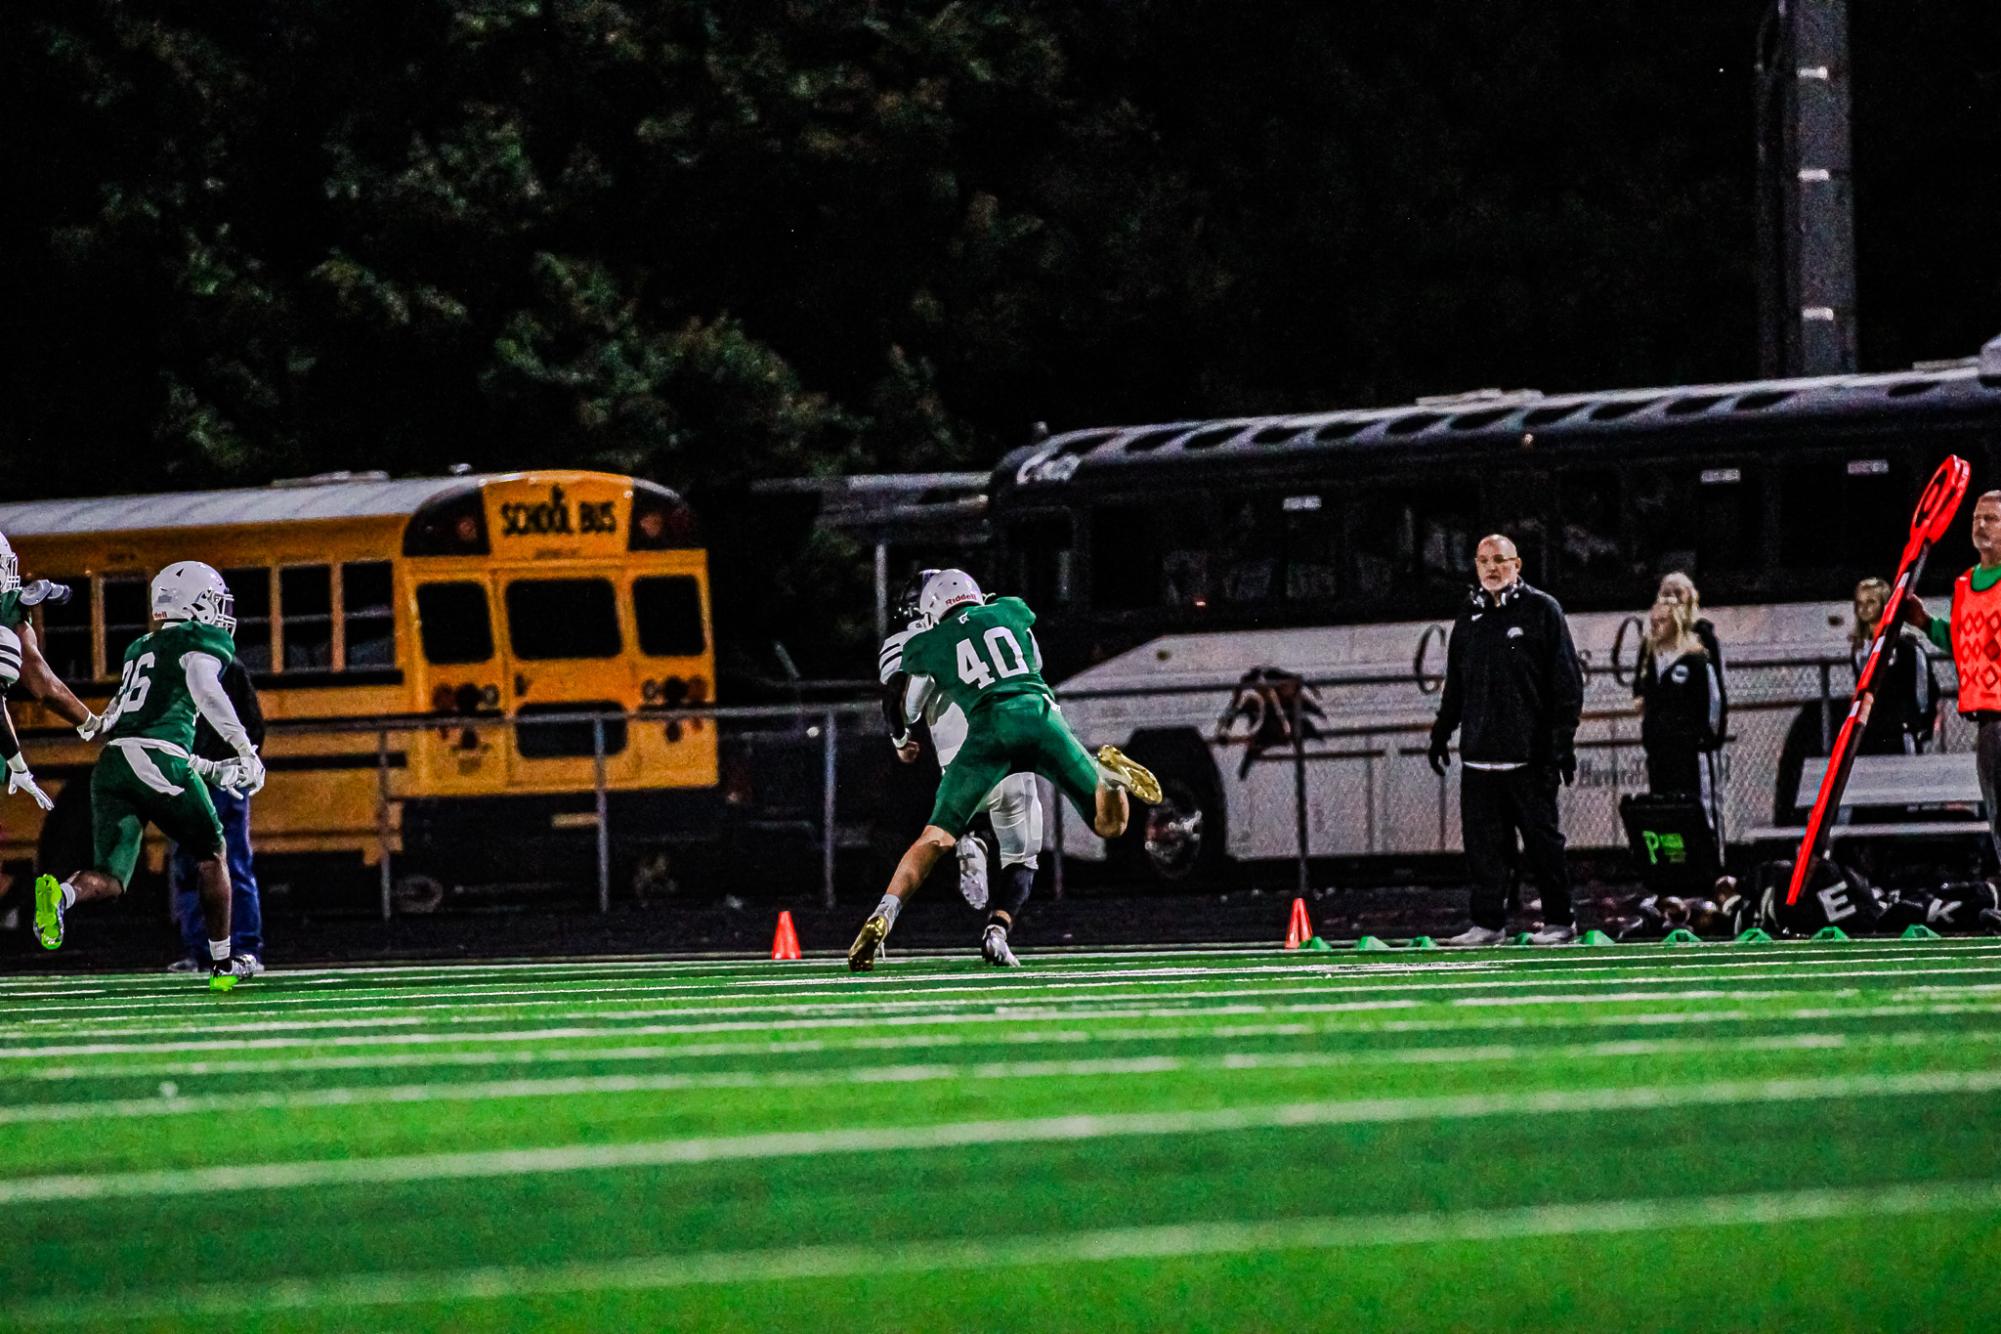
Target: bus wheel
(415, 892)
(1175, 833)
(1182, 836)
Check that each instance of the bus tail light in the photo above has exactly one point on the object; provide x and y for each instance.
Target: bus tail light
(661, 520)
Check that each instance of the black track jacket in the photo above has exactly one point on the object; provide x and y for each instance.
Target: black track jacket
(1512, 679)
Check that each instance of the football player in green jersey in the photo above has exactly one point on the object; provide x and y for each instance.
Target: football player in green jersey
(983, 656)
(147, 772)
(19, 779)
(35, 676)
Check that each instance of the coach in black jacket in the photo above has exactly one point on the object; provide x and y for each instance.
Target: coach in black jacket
(1514, 691)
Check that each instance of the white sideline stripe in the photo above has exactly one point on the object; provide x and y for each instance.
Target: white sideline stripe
(1030, 1037)
(949, 1254)
(594, 1085)
(947, 998)
(894, 987)
(462, 1038)
(1688, 958)
(488, 1164)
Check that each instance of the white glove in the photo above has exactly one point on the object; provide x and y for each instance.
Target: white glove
(90, 726)
(20, 780)
(244, 774)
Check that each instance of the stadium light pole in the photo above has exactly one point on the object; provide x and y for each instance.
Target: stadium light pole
(1806, 202)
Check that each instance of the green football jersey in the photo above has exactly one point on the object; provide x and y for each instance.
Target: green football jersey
(12, 613)
(980, 653)
(153, 699)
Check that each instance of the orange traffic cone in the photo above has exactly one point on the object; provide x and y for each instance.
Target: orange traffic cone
(785, 944)
(1299, 930)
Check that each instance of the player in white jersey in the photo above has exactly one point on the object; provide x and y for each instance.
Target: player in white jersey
(1014, 805)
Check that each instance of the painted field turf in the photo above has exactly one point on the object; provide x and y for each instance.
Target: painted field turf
(1641, 1137)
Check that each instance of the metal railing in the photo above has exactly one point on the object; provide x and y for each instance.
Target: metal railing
(810, 794)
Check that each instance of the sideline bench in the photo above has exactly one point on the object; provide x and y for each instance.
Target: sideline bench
(1946, 785)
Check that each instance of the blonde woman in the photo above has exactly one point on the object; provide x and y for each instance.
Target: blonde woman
(1677, 587)
(1683, 703)
(1906, 707)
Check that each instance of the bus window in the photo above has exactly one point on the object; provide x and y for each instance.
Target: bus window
(368, 613)
(452, 621)
(1125, 559)
(668, 609)
(1040, 548)
(1707, 521)
(66, 631)
(126, 617)
(251, 591)
(1414, 540)
(1518, 508)
(1865, 497)
(1730, 520)
(305, 609)
(1591, 552)
(562, 618)
(1312, 549)
(1878, 489)
(1249, 549)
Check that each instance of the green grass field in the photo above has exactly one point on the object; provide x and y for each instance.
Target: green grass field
(1643, 1136)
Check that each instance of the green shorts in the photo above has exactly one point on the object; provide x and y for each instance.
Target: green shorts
(128, 790)
(1015, 734)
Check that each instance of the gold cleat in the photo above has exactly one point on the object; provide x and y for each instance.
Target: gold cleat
(1125, 772)
(862, 954)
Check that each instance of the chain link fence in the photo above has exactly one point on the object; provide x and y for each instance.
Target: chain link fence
(437, 812)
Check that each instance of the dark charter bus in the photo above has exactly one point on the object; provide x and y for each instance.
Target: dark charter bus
(1216, 564)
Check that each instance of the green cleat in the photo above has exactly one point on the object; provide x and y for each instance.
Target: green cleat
(48, 911)
(226, 973)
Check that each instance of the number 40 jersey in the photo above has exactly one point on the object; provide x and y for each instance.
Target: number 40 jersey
(153, 698)
(980, 653)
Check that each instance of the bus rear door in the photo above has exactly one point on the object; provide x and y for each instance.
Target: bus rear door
(565, 650)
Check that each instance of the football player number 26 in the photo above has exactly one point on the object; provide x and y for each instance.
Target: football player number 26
(133, 686)
(1003, 655)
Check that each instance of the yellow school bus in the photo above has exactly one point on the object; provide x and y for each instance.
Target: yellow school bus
(473, 605)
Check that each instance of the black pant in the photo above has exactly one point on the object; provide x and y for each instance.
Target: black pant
(1493, 805)
(1987, 763)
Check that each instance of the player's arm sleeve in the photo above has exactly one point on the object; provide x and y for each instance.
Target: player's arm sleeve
(918, 651)
(1939, 631)
(204, 673)
(917, 694)
(10, 744)
(242, 692)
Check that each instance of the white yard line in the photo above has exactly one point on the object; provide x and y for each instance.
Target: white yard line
(502, 1163)
(236, 1104)
(927, 1255)
(759, 972)
(1051, 993)
(195, 1069)
(1548, 1019)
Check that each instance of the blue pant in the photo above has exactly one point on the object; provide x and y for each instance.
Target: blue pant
(246, 918)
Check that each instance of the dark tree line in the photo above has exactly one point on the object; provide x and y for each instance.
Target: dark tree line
(714, 242)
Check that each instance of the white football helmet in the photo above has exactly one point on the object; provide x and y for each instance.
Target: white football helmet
(10, 567)
(946, 590)
(188, 590)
